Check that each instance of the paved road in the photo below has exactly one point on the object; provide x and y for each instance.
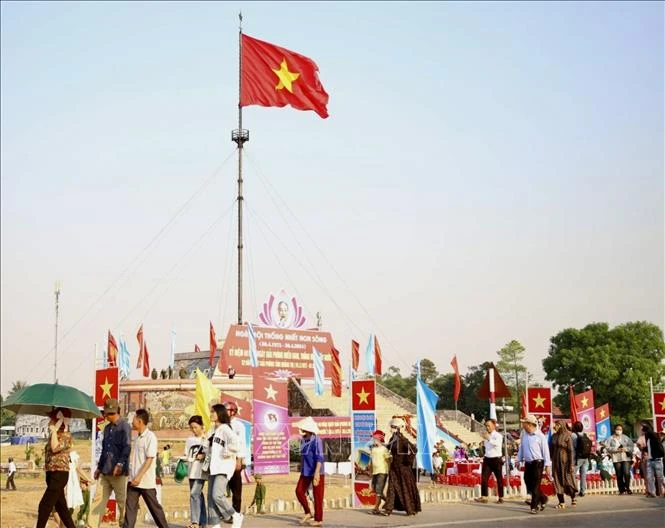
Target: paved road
(604, 511)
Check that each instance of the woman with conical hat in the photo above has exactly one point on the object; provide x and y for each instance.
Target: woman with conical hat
(311, 471)
(402, 491)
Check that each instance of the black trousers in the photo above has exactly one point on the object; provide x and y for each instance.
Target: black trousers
(622, 470)
(10, 482)
(491, 465)
(132, 505)
(54, 497)
(533, 474)
(235, 485)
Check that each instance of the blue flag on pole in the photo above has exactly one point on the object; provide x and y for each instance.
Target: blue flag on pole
(369, 355)
(125, 365)
(426, 400)
(318, 371)
(253, 356)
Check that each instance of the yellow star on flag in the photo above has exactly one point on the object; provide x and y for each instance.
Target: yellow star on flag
(285, 77)
(585, 402)
(539, 401)
(106, 387)
(662, 404)
(362, 396)
(271, 393)
(602, 413)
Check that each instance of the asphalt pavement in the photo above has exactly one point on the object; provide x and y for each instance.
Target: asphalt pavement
(600, 511)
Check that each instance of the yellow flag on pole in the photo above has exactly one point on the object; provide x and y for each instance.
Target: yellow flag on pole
(205, 391)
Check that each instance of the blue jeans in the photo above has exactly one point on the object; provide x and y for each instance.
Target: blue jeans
(197, 503)
(655, 476)
(583, 465)
(219, 507)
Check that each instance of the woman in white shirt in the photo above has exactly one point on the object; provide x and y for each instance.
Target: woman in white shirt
(223, 449)
(196, 449)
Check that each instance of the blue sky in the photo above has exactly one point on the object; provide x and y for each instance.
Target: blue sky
(489, 171)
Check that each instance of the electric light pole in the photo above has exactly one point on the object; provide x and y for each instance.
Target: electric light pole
(55, 347)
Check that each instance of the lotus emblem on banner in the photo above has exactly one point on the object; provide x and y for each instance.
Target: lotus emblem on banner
(282, 312)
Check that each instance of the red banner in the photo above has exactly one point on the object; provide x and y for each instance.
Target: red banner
(106, 385)
(286, 350)
(659, 408)
(586, 413)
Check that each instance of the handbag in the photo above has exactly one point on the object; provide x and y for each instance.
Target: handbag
(181, 471)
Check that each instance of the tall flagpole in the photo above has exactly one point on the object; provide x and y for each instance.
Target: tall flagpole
(653, 406)
(240, 137)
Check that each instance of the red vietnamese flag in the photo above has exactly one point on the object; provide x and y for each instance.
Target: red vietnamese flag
(539, 400)
(458, 381)
(106, 385)
(274, 76)
(213, 345)
(336, 373)
(146, 360)
(112, 351)
(355, 355)
(602, 412)
(659, 403)
(584, 401)
(362, 395)
(377, 357)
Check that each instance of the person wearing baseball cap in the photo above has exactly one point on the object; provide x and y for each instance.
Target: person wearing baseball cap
(113, 466)
(535, 454)
(380, 457)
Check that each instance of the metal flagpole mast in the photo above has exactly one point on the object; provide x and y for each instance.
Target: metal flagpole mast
(55, 346)
(240, 137)
(653, 406)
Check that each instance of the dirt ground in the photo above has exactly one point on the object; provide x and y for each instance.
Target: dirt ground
(18, 509)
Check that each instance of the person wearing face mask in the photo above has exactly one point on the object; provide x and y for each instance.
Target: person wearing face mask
(311, 452)
(402, 493)
(620, 448)
(56, 464)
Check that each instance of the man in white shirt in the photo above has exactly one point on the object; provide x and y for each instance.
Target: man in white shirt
(492, 462)
(11, 471)
(142, 480)
(235, 482)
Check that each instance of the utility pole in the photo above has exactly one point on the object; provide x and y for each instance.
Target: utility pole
(55, 346)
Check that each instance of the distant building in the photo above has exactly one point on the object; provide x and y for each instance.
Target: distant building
(35, 425)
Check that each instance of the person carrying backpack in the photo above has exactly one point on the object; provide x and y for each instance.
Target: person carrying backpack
(582, 445)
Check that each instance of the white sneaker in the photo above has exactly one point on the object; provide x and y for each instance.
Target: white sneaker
(237, 520)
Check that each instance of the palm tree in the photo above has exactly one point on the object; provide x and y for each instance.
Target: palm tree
(17, 386)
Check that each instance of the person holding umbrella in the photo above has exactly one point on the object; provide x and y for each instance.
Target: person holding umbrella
(56, 464)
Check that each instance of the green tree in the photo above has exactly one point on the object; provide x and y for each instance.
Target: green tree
(616, 363)
(394, 381)
(6, 417)
(511, 367)
(428, 372)
(17, 386)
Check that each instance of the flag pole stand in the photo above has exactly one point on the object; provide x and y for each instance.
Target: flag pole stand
(240, 136)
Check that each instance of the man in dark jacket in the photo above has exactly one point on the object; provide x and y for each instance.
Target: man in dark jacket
(653, 452)
(113, 465)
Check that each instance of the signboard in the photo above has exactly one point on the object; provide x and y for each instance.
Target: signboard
(363, 424)
(539, 403)
(271, 428)
(284, 352)
(587, 414)
(603, 423)
(106, 386)
(329, 426)
(659, 410)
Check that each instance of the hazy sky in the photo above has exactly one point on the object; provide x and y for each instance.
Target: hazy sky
(489, 171)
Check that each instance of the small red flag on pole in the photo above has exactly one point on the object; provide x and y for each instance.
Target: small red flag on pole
(112, 352)
(355, 355)
(573, 405)
(213, 345)
(336, 373)
(377, 357)
(458, 381)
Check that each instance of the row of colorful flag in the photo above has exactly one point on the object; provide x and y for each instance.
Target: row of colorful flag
(118, 356)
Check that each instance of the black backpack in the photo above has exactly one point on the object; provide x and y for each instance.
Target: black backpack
(583, 446)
